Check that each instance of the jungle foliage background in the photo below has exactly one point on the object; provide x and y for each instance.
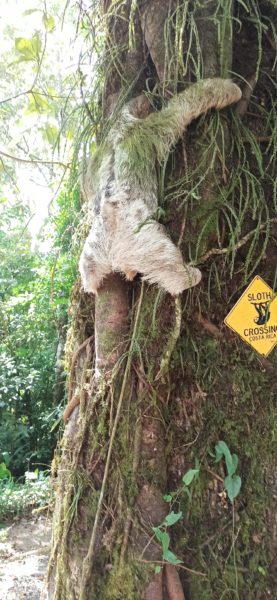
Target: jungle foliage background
(39, 206)
(217, 389)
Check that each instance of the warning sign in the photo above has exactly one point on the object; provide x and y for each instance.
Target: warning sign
(254, 316)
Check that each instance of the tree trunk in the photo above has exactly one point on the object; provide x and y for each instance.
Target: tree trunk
(155, 382)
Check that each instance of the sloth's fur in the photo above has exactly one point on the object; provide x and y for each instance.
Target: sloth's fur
(122, 192)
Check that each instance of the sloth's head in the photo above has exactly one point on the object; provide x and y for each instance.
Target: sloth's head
(139, 107)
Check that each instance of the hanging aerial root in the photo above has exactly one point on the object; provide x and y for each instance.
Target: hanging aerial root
(242, 105)
(172, 340)
(74, 400)
(240, 243)
(74, 361)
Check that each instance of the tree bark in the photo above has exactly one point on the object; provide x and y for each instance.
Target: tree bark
(149, 371)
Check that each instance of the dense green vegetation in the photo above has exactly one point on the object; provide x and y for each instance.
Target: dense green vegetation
(39, 205)
(35, 288)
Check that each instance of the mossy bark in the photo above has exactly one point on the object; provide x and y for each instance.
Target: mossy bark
(163, 381)
(214, 22)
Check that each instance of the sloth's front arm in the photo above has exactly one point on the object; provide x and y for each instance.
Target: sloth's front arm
(166, 126)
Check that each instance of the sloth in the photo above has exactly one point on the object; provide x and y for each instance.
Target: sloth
(122, 190)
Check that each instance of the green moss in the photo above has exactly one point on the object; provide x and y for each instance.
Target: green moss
(124, 582)
(238, 408)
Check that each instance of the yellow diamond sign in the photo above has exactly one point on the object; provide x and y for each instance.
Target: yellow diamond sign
(254, 316)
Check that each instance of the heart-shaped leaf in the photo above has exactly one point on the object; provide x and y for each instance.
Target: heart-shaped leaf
(172, 518)
(158, 533)
(232, 484)
(171, 558)
(190, 476)
(235, 461)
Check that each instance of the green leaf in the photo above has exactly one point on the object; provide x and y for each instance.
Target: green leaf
(158, 533)
(30, 11)
(160, 213)
(56, 423)
(246, 8)
(165, 541)
(158, 569)
(190, 476)
(51, 91)
(29, 49)
(172, 518)
(58, 301)
(24, 47)
(231, 460)
(4, 472)
(221, 450)
(36, 44)
(48, 22)
(38, 103)
(6, 458)
(171, 557)
(20, 60)
(235, 461)
(167, 497)
(232, 485)
(50, 133)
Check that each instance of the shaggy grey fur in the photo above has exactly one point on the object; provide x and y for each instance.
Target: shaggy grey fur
(122, 192)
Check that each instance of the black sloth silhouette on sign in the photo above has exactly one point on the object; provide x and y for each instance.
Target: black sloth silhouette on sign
(262, 309)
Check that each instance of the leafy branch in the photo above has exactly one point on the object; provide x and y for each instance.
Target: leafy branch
(35, 161)
(163, 537)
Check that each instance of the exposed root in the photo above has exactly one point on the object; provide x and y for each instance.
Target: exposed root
(75, 401)
(74, 361)
(154, 589)
(207, 325)
(173, 583)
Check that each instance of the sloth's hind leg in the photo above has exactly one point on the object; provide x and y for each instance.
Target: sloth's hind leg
(151, 253)
(94, 265)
